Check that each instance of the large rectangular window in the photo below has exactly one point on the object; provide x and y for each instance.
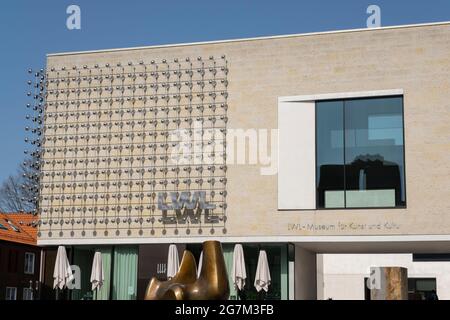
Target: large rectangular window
(11, 293)
(360, 153)
(27, 294)
(29, 263)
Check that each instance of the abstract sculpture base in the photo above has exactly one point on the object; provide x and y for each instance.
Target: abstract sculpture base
(212, 283)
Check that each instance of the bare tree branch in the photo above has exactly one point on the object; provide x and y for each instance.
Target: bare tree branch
(17, 191)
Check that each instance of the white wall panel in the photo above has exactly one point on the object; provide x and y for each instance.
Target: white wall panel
(296, 154)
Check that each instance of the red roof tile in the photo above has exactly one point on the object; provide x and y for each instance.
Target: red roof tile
(23, 222)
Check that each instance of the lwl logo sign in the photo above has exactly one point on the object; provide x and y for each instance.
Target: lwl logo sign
(186, 207)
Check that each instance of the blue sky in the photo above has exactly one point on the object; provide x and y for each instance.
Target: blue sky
(31, 29)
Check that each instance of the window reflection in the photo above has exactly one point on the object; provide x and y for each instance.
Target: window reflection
(363, 167)
(330, 154)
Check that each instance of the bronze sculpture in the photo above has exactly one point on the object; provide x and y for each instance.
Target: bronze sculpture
(212, 284)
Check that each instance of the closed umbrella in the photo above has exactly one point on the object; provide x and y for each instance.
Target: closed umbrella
(262, 277)
(200, 263)
(173, 262)
(62, 274)
(97, 275)
(239, 273)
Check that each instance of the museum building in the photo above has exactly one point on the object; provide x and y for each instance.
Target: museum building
(299, 145)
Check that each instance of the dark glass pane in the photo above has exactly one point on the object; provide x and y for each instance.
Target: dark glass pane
(83, 257)
(374, 172)
(330, 154)
(152, 262)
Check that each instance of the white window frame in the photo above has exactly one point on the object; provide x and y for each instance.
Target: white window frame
(26, 293)
(30, 263)
(8, 293)
(297, 163)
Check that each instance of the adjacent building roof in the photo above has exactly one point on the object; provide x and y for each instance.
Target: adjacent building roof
(18, 228)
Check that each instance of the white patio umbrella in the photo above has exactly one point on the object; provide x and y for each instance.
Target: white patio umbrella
(62, 274)
(173, 262)
(97, 275)
(200, 263)
(239, 273)
(262, 276)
